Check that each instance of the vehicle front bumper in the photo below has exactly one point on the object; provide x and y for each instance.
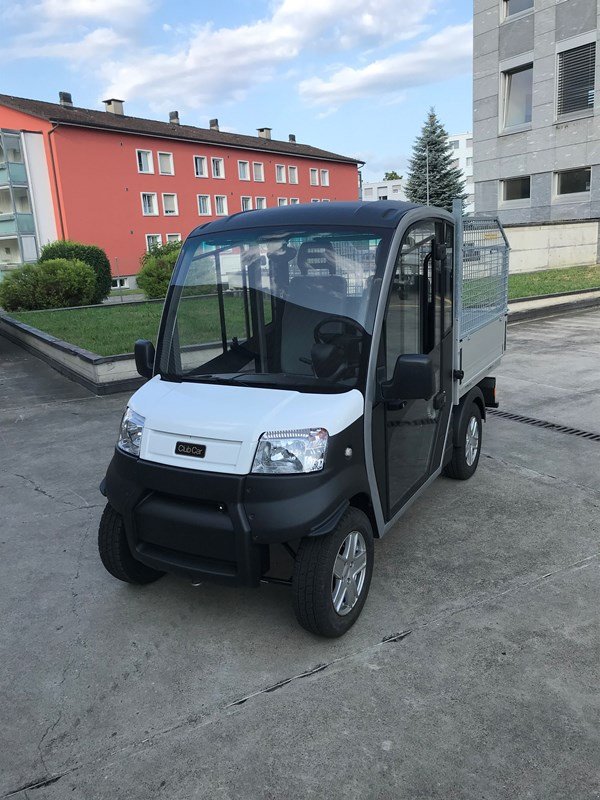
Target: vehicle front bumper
(218, 527)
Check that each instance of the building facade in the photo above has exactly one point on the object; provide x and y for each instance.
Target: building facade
(126, 184)
(537, 127)
(462, 150)
(383, 190)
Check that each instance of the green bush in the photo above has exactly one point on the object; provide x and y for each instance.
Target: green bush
(89, 254)
(57, 283)
(157, 268)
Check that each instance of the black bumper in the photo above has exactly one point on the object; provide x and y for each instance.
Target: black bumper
(214, 526)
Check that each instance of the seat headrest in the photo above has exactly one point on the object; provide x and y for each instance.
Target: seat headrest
(316, 255)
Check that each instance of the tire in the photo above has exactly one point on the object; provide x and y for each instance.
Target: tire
(115, 553)
(465, 456)
(314, 583)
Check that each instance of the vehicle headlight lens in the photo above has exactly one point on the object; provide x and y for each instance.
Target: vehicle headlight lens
(286, 452)
(130, 435)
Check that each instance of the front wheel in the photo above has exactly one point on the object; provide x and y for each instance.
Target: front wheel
(465, 456)
(332, 575)
(115, 553)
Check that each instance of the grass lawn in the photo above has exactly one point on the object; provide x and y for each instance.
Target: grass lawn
(113, 329)
(553, 281)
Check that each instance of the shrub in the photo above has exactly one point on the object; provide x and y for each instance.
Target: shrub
(89, 254)
(50, 284)
(157, 268)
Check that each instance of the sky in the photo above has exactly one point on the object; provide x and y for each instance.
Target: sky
(356, 77)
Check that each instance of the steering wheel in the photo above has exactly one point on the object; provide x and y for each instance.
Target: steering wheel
(352, 331)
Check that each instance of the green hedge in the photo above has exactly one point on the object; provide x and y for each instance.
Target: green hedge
(157, 268)
(57, 283)
(89, 254)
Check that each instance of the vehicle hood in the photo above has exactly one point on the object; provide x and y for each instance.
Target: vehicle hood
(229, 420)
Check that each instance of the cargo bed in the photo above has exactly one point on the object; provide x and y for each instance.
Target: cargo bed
(481, 300)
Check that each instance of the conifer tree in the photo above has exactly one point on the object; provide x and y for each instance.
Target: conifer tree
(446, 182)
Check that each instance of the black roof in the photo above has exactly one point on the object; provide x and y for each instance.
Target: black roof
(372, 214)
(89, 118)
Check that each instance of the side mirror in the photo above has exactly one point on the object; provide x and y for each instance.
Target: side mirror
(144, 357)
(413, 379)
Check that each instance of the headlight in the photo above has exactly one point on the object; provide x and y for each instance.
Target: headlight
(130, 435)
(285, 452)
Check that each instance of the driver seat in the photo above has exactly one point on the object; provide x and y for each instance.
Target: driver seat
(310, 299)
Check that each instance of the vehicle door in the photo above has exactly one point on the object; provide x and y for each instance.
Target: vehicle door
(411, 433)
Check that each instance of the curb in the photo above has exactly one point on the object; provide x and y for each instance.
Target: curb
(553, 310)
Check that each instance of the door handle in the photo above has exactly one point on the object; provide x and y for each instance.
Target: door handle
(439, 401)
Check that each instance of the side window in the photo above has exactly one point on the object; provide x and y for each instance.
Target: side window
(404, 320)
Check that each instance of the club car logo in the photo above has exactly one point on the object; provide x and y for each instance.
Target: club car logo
(190, 449)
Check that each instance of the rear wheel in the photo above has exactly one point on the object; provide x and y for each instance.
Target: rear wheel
(465, 456)
(332, 575)
(115, 553)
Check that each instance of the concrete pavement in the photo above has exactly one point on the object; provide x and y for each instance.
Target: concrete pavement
(166, 691)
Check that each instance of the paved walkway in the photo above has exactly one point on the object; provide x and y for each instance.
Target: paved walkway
(139, 693)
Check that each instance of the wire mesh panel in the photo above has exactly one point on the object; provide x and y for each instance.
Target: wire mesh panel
(483, 280)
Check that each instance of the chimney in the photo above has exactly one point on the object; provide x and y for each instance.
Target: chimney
(174, 117)
(264, 133)
(114, 106)
(292, 138)
(214, 124)
(65, 99)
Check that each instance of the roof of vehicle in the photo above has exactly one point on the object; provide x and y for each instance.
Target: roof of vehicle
(122, 123)
(371, 214)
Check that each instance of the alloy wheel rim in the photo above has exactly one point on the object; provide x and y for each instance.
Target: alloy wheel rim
(349, 573)
(472, 441)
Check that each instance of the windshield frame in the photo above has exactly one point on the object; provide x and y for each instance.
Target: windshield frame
(281, 380)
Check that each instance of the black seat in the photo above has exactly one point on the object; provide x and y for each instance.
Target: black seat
(309, 300)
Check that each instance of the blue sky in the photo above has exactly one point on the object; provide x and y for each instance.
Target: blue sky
(353, 76)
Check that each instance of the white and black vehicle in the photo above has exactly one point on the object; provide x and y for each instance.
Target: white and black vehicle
(303, 411)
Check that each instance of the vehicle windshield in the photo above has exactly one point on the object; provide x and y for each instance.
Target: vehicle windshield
(274, 307)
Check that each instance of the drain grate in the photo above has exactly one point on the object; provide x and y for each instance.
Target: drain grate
(541, 423)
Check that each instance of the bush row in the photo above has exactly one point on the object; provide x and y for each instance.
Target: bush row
(73, 274)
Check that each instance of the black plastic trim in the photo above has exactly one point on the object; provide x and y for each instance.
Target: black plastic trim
(253, 511)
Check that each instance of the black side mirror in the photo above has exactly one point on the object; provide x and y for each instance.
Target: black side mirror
(413, 379)
(144, 357)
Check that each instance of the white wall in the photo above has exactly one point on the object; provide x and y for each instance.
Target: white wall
(39, 187)
(535, 247)
(463, 153)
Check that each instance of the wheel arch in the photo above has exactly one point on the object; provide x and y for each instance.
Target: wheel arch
(475, 395)
(362, 501)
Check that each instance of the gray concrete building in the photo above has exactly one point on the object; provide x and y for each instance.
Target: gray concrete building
(536, 127)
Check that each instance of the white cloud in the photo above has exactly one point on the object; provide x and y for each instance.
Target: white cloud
(217, 65)
(110, 10)
(441, 56)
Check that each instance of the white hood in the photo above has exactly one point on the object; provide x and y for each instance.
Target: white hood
(229, 420)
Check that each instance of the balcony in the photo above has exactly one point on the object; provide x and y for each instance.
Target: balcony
(11, 224)
(10, 254)
(12, 173)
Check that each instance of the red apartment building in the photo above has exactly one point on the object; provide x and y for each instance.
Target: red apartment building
(125, 183)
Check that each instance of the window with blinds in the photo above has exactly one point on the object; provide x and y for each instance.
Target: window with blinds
(576, 69)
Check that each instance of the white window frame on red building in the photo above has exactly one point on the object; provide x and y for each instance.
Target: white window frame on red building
(279, 173)
(260, 171)
(314, 176)
(241, 169)
(324, 177)
(225, 212)
(150, 162)
(153, 235)
(155, 204)
(214, 160)
(174, 213)
(204, 161)
(262, 204)
(171, 171)
(248, 204)
(207, 213)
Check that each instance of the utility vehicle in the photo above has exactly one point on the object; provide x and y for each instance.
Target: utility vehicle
(309, 408)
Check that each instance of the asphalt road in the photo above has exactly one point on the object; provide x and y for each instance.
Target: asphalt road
(167, 691)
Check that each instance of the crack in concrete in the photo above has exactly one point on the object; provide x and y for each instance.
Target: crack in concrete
(38, 488)
(215, 716)
(533, 472)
